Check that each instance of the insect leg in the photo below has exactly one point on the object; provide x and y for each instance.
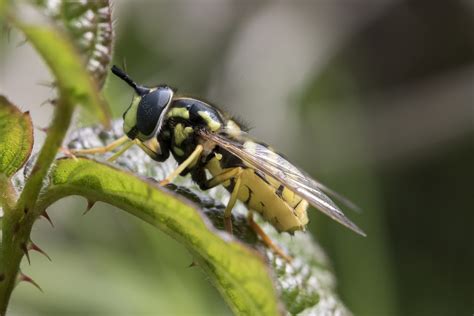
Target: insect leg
(231, 203)
(222, 177)
(102, 150)
(121, 151)
(266, 239)
(194, 155)
(233, 173)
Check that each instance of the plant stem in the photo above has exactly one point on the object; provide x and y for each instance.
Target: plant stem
(7, 193)
(17, 224)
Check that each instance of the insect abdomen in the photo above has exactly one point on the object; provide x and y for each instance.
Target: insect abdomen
(276, 203)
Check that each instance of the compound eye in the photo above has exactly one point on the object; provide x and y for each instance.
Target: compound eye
(150, 108)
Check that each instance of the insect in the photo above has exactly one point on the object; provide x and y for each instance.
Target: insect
(201, 137)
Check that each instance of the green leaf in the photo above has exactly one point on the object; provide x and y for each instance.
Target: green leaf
(16, 137)
(64, 61)
(307, 286)
(89, 25)
(239, 272)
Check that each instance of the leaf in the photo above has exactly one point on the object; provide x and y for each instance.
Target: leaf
(237, 271)
(306, 287)
(72, 78)
(89, 25)
(16, 137)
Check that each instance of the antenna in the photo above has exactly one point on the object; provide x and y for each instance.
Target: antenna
(140, 90)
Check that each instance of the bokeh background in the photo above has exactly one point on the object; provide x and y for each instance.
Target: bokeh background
(373, 98)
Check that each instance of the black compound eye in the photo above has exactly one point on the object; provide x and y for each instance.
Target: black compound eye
(150, 108)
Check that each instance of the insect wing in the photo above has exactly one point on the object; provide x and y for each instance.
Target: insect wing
(263, 159)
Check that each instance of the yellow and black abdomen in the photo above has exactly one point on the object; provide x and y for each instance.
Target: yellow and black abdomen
(277, 204)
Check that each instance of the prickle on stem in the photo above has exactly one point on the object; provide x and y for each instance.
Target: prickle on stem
(24, 278)
(46, 216)
(90, 204)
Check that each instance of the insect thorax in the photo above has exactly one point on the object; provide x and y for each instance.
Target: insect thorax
(184, 117)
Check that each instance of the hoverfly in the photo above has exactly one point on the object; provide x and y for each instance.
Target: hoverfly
(201, 137)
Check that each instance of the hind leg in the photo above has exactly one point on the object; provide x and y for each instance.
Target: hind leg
(266, 239)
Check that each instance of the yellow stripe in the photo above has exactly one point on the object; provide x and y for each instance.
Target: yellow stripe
(181, 133)
(179, 112)
(213, 125)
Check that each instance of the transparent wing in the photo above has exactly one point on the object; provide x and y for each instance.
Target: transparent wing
(265, 160)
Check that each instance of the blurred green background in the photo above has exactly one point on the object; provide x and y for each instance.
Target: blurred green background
(373, 98)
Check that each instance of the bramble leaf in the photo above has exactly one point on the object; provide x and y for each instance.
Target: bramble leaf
(305, 287)
(16, 137)
(239, 272)
(89, 25)
(74, 82)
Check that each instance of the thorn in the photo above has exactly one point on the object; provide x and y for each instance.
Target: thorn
(45, 215)
(53, 102)
(24, 278)
(42, 129)
(90, 204)
(193, 264)
(33, 246)
(22, 42)
(48, 84)
(24, 248)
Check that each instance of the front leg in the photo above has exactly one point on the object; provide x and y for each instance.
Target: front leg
(155, 149)
(101, 150)
(189, 161)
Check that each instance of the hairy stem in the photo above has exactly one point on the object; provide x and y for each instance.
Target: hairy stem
(18, 222)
